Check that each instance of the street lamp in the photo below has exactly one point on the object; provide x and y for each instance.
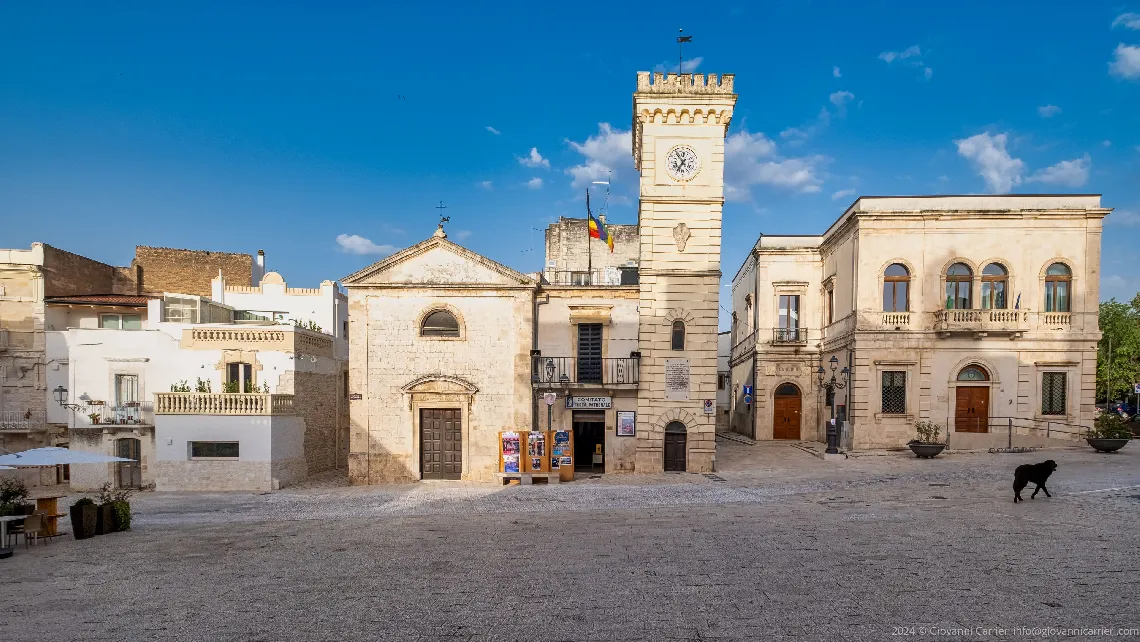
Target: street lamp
(831, 386)
(61, 398)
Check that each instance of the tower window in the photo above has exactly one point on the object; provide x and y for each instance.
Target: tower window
(678, 339)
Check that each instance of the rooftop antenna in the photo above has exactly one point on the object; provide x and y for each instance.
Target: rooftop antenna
(681, 40)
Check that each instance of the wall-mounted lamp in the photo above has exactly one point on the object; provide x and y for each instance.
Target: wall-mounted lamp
(61, 398)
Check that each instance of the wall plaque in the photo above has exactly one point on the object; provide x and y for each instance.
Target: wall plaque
(589, 402)
(677, 379)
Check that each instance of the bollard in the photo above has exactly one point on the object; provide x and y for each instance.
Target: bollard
(1011, 434)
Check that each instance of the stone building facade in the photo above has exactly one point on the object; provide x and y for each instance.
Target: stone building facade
(448, 348)
(164, 269)
(974, 312)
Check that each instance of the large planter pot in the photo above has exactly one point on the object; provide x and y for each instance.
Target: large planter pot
(927, 451)
(1106, 445)
(83, 520)
(106, 521)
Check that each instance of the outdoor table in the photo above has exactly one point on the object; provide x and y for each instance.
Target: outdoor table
(4, 526)
(49, 506)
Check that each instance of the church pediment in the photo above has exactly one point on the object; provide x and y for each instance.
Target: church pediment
(437, 262)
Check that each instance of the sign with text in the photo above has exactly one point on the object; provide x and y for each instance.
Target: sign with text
(356, 396)
(591, 403)
(677, 379)
(709, 408)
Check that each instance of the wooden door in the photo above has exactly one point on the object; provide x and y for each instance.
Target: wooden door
(441, 443)
(787, 418)
(129, 473)
(675, 451)
(972, 409)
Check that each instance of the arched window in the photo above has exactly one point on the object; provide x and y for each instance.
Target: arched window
(1058, 288)
(440, 323)
(678, 335)
(896, 288)
(973, 373)
(675, 426)
(787, 390)
(959, 283)
(995, 284)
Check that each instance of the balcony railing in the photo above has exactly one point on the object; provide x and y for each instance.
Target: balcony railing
(136, 413)
(981, 320)
(553, 371)
(789, 336)
(596, 276)
(743, 348)
(896, 320)
(222, 403)
(22, 421)
(244, 337)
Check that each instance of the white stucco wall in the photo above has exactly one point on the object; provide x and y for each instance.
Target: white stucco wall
(326, 306)
(266, 445)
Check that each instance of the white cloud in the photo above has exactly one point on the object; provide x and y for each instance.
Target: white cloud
(461, 235)
(751, 159)
(493, 130)
(534, 183)
(1127, 62)
(606, 154)
(988, 155)
(910, 52)
(487, 185)
(841, 98)
(356, 244)
(687, 66)
(1106, 143)
(835, 72)
(1128, 21)
(797, 135)
(1070, 173)
(911, 56)
(843, 193)
(1048, 111)
(1125, 218)
(534, 159)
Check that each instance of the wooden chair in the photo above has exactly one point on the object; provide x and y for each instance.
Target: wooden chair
(34, 527)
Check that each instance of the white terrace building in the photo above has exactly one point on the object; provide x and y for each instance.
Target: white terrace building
(204, 396)
(969, 311)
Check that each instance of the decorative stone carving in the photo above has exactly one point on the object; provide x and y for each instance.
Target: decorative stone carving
(681, 235)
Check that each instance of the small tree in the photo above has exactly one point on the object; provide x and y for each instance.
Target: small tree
(927, 432)
(181, 386)
(203, 385)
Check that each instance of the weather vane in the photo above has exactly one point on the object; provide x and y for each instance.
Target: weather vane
(442, 219)
(681, 40)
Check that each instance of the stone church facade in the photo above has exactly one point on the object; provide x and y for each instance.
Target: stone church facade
(448, 348)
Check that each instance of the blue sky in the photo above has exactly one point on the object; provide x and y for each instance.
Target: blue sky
(233, 127)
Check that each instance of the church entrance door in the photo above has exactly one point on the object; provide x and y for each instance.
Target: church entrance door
(589, 440)
(441, 443)
(786, 418)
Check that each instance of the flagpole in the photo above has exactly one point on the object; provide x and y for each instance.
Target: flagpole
(589, 243)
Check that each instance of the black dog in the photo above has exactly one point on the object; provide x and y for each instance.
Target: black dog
(1035, 473)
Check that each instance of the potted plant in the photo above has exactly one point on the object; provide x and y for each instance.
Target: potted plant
(84, 518)
(94, 417)
(13, 497)
(1109, 433)
(114, 508)
(927, 445)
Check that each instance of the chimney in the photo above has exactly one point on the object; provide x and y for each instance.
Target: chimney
(258, 268)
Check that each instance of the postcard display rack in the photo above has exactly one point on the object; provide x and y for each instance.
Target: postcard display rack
(544, 452)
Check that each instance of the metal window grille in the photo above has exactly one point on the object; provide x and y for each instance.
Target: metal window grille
(1053, 393)
(894, 393)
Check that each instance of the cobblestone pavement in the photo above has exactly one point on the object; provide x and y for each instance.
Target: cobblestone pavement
(785, 547)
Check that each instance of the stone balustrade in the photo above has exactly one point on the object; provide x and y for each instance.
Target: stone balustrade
(246, 337)
(222, 403)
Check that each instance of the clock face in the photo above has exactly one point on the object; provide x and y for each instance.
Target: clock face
(682, 163)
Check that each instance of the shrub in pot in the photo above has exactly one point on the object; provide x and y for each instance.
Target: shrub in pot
(1109, 433)
(114, 508)
(927, 445)
(84, 518)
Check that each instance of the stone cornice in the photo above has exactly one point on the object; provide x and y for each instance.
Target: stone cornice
(355, 279)
(650, 272)
(674, 200)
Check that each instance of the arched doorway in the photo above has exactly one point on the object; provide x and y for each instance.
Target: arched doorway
(972, 400)
(675, 438)
(128, 474)
(786, 418)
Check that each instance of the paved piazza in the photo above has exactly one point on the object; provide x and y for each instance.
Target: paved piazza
(785, 547)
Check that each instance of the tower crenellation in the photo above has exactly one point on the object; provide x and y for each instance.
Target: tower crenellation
(662, 83)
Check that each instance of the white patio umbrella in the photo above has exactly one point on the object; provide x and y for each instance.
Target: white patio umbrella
(6, 468)
(55, 456)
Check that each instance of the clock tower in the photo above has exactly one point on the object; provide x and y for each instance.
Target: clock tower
(679, 128)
